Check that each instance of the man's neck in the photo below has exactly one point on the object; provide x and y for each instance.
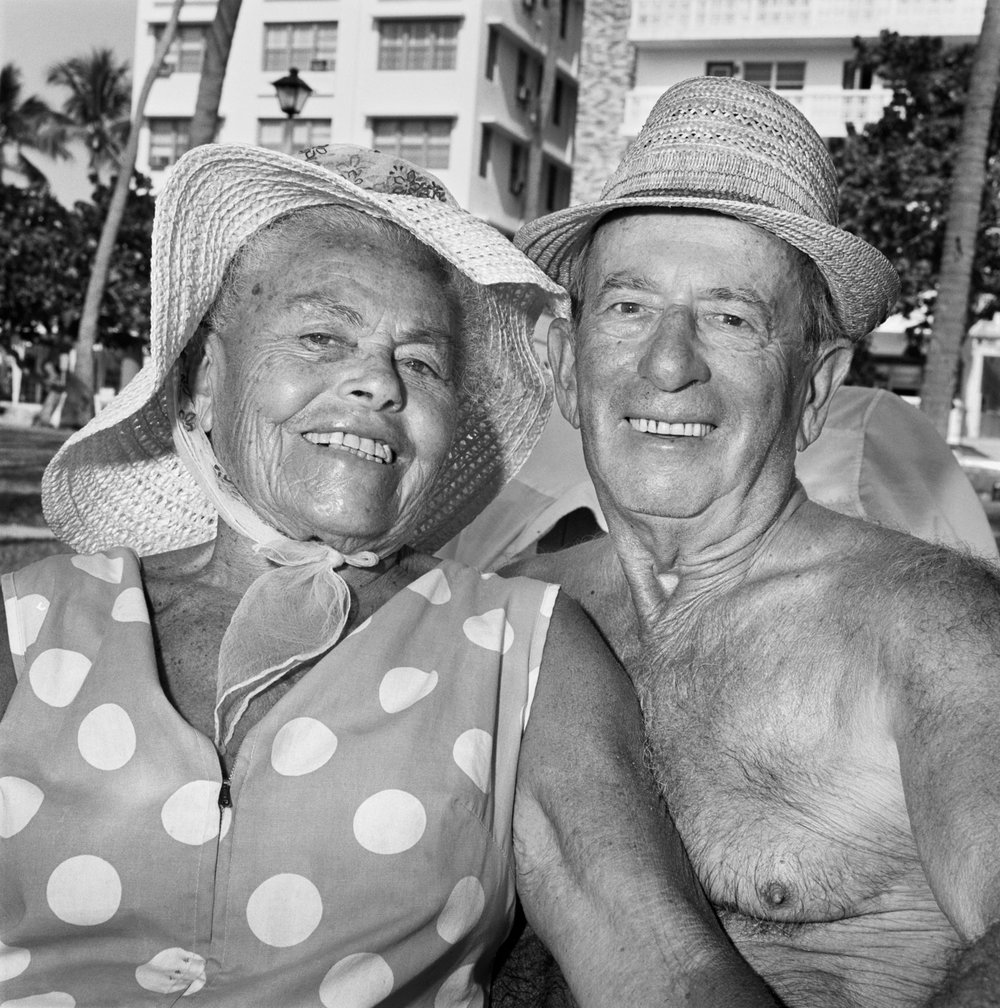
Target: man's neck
(668, 559)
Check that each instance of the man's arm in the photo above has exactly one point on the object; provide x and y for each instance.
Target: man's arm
(602, 875)
(945, 656)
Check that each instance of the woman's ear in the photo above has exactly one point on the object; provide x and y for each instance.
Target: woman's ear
(204, 367)
(562, 359)
(829, 369)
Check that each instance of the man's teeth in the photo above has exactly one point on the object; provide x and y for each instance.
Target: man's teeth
(670, 429)
(377, 451)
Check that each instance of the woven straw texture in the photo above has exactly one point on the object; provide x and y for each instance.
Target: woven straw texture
(720, 144)
(118, 481)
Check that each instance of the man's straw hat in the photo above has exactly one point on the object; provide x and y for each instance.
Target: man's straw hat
(724, 145)
(119, 479)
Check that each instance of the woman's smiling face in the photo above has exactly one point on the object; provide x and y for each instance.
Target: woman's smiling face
(330, 389)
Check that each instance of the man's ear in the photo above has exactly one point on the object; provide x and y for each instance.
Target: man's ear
(562, 359)
(828, 371)
(204, 376)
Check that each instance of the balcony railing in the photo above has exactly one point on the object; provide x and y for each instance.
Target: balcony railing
(829, 109)
(682, 20)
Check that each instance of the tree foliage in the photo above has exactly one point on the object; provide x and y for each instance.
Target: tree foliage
(97, 111)
(896, 174)
(45, 262)
(26, 123)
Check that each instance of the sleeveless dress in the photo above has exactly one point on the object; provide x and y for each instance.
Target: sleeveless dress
(360, 854)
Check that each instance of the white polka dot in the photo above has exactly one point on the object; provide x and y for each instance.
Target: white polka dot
(84, 890)
(549, 597)
(361, 980)
(490, 631)
(19, 801)
(98, 565)
(403, 687)
(389, 822)
(302, 746)
(464, 908)
(54, 999)
(459, 991)
(13, 961)
(284, 910)
(56, 676)
(360, 627)
(433, 586)
(107, 737)
(25, 617)
(532, 686)
(130, 607)
(473, 752)
(171, 971)
(226, 820)
(191, 814)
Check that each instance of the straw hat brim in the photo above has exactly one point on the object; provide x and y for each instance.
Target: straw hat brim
(863, 285)
(118, 480)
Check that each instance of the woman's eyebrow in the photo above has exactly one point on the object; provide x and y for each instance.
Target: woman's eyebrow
(624, 281)
(329, 305)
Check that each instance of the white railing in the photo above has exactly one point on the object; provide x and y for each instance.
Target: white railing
(679, 20)
(829, 109)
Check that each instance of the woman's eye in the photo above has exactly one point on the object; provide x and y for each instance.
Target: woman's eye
(627, 307)
(319, 339)
(728, 320)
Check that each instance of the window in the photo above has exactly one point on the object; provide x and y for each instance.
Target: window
(563, 17)
(719, 68)
(186, 51)
(518, 168)
(484, 151)
(857, 77)
(305, 45)
(305, 133)
(528, 82)
(557, 101)
(492, 46)
(168, 140)
(417, 45)
(780, 76)
(425, 142)
(557, 185)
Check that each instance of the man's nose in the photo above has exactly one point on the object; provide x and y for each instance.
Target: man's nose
(673, 357)
(374, 379)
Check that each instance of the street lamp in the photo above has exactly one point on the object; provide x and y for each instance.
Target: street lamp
(292, 92)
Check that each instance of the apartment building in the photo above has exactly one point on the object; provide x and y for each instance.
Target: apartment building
(800, 47)
(481, 92)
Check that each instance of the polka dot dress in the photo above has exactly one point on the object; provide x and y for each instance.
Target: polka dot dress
(359, 855)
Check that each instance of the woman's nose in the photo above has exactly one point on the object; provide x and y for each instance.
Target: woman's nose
(373, 379)
(673, 358)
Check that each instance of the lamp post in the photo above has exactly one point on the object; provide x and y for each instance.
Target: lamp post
(292, 92)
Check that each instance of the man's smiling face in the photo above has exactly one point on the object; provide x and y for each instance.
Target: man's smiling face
(687, 365)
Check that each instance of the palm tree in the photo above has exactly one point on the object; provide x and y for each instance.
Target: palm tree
(97, 111)
(218, 42)
(87, 331)
(951, 310)
(26, 123)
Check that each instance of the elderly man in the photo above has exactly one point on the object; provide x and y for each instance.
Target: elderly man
(821, 694)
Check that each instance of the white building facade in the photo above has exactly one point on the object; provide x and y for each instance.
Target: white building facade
(803, 48)
(481, 92)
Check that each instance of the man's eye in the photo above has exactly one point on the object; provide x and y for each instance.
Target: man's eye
(728, 320)
(319, 339)
(421, 367)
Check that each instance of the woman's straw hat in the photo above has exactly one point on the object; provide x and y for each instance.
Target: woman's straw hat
(721, 144)
(119, 479)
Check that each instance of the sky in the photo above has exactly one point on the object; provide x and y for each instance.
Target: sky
(34, 34)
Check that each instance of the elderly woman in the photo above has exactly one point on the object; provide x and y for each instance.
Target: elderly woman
(262, 748)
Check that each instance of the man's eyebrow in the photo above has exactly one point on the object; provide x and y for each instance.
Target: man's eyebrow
(622, 280)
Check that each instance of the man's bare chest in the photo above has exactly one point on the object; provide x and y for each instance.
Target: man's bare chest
(774, 755)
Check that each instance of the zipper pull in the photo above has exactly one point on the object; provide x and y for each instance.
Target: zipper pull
(225, 796)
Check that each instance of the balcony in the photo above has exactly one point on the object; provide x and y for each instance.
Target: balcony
(672, 21)
(829, 109)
